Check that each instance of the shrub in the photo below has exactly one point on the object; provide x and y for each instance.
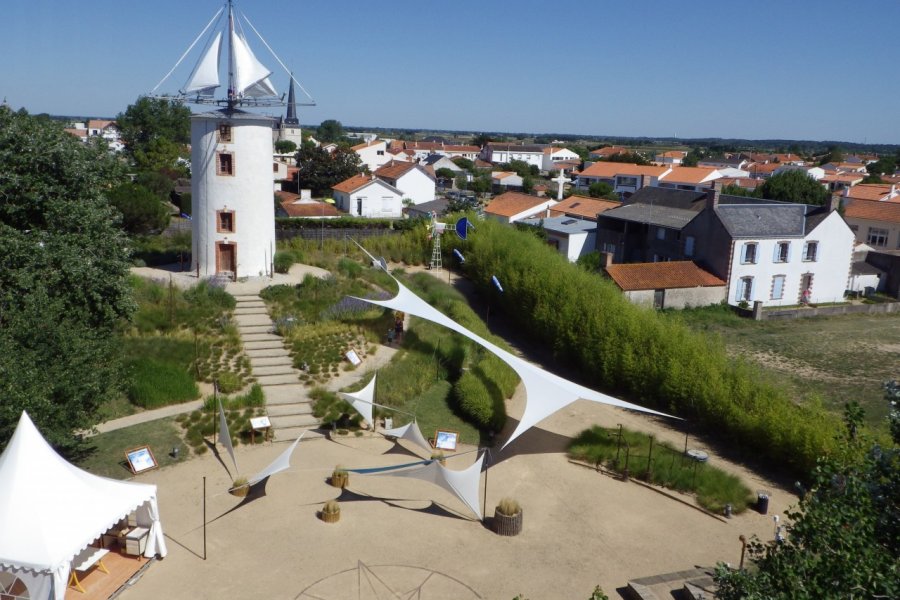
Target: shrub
(283, 261)
(508, 507)
(153, 383)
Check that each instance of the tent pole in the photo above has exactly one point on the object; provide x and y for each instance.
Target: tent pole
(484, 502)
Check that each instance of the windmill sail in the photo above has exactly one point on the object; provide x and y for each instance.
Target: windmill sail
(251, 77)
(205, 77)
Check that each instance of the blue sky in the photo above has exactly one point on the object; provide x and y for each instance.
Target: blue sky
(763, 69)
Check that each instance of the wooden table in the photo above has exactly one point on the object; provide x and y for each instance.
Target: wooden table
(84, 560)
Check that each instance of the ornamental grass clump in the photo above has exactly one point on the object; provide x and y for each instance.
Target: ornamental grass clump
(331, 512)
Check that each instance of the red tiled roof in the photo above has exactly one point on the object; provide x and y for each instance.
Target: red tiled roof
(843, 177)
(513, 203)
(873, 210)
(79, 133)
(352, 184)
(431, 146)
(365, 145)
(609, 170)
(608, 151)
(868, 191)
(689, 174)
(764, 168)
(748, 183)
(661, 276)
(674, 154)
(394, 169)
(308, 208)
(482, 164)
(582, 206)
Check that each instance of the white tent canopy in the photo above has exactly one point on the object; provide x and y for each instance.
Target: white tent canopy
(462, 484)
(282, 463)
(546, 393)
(50, 510)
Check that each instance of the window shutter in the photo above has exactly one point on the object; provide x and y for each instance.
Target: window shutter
(789, 248)
(776, 252)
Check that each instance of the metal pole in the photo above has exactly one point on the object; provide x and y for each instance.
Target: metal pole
(204, 517)
(484, 502)
(649, 458)
(618, 443)
(743, 540)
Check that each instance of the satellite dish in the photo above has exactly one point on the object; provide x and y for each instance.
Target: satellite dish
(462, 228)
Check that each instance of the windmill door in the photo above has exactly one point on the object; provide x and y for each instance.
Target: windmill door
(226, 258)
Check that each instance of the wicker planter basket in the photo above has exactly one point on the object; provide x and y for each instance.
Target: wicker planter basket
(330, 517)
(340, 479)
(506, 524)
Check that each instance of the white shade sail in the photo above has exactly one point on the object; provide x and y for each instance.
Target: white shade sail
(463, 484)
(545, 392)
(362, 401)
(50, 510)
(282, 463)
(410, 432)
(225, 436)
(251, 77)
(205, 77)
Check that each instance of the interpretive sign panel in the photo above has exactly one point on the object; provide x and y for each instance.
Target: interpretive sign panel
(260, 423)
(353, 357)
(446, 440)
(140, 459)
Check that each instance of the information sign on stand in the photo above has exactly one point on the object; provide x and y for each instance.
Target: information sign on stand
(259, 424)
(446, 440)
(140, 459)
(353, 357)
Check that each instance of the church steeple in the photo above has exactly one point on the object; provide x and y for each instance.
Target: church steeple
(291, 118)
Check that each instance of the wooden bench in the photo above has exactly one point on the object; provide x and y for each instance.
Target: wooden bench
(83, 561)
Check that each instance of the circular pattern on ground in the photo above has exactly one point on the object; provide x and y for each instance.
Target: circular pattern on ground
(371, 582)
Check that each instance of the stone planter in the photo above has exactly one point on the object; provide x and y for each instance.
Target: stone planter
(507, 524)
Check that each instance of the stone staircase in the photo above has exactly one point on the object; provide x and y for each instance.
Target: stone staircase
(287, 403)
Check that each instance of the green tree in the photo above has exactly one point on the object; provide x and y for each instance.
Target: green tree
(481, 184)
(463, 163)
(63, 280)
(319, 170)
(794, 186)
(694, 156)
(330, 130)
(628, 157)
(601, 189)
(482, 139)
(843, 540)
(155, 132)
(733, 189)
(834, 155)
(285, 146)
(142, 211)
(462, 182)
(445, 173)
(156, 182)
(527, 184)
(886, 165)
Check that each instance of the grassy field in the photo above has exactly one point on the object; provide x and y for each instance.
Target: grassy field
(832, 360)
(108, 459)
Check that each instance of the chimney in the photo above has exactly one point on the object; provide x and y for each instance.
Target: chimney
(645, 181)
(712, 196)
(606, 259)
(835, 202)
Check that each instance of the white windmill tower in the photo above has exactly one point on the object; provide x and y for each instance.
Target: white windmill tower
(233, 214)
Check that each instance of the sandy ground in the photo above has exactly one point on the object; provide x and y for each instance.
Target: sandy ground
(581, 528)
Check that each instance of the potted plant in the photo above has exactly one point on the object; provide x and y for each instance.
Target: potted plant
(438, 455)
(508, 517)
(239, 487)
(340, 477)
(331, 512)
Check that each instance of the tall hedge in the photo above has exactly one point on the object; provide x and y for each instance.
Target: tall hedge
(633, 352)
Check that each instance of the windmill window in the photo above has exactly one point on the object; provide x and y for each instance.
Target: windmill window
(224, 133)
(225, 221)
(225, 163)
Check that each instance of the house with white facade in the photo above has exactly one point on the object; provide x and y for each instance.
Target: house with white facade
(735, 162)
(693, 179)
(554, 156)
(777, 253)
(625, 178)
(573, 238)
(373, 154)
(764, 250)
(874, 223)
(533, 154)
(672, 157)
(504, 180)
(515, 206)
(420, 150)
(415, 182)
(607, 151)
(368, 196)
